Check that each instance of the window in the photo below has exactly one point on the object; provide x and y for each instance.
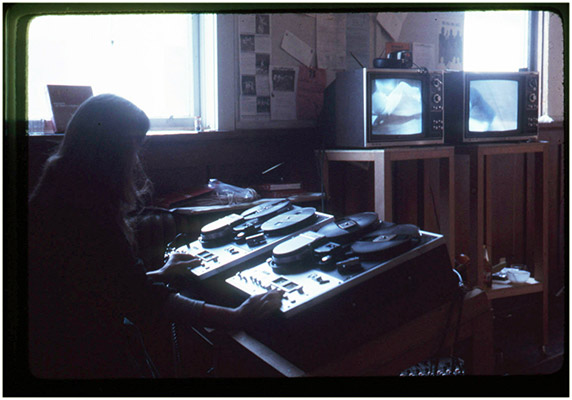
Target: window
(496, 41)
(164, 63)
(514, 40)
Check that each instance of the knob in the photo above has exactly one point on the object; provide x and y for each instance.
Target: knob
(533, 83)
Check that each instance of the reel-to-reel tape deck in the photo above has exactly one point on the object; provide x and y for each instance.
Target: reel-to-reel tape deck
(344, 281)
(310, 256)
(236, 238)
(314, 266)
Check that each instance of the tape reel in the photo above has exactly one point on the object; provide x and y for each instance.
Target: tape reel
(224, 230)
(350, 228)
(386, 243)
(289, 222)
(221, 229)
(294, 251)
(267, 210)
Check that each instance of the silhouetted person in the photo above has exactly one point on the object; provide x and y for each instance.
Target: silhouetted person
(86, 286)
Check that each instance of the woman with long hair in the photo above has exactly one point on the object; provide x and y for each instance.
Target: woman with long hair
(85, 281)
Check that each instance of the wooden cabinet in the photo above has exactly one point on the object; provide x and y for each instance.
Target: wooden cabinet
(488, 194)
(434, 208)
(502, 192)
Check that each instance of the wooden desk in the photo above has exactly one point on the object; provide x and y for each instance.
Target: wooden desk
(386, 355)
(383, 162)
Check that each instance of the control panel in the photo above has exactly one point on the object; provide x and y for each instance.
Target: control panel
(436, 101)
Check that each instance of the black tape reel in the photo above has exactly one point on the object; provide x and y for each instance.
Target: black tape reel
(289, 221)
(386, 243)
(267, 210)
(350, 228)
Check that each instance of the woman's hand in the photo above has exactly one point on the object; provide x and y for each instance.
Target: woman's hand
(177, 265)
(257, 307)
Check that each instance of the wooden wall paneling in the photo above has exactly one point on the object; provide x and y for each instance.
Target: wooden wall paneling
(357, 184)
(506, 208)
(520, 209)
(447, 202)
(542, 259)
(477, 214)
(530, 216)
(407, 193)
(462, 221)
(556, 162)
(430, 191)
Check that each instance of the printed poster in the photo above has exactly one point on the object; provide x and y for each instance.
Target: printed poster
(254, 48)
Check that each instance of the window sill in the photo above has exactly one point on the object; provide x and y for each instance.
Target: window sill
(177, 136)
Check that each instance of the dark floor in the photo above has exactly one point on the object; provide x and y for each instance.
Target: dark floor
(518, 336)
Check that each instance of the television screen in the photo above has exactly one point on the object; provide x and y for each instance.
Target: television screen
(397, 106)
(493, 105)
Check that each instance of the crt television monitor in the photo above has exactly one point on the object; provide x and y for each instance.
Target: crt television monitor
(490, 106)
(388, 107)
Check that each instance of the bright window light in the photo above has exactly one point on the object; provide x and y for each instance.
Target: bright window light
(495, 41)
(150, 59)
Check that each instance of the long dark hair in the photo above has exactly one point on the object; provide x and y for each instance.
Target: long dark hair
(99, 154)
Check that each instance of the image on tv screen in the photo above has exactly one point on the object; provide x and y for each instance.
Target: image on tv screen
(493, 105)
(396, 107)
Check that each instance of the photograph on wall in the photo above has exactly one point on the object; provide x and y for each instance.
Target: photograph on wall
(262, 24)
(451, 45)
(262, 62)
(255, 48)
(246, 43)
(263, 104)
(283, 97)
(248, 85)
(283, 79)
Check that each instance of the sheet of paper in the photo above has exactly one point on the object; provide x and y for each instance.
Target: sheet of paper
(246, 23)
(310, 92)
(331, 41)
(262, 44)
(424, 55)
(294, 46)
(247, 63)
(391, 23)
(357, 40)
(283, 97)
(248, 105)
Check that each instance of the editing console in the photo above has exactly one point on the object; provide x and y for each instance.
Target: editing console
(236, 238)
(314, 266)
(344, 281)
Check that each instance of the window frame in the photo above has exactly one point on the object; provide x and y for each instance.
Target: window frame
(202, 67)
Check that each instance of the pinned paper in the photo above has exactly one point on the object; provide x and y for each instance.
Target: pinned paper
(331, 41)
(310, 92)
(392, 23)
(424, 55)
(294, 46)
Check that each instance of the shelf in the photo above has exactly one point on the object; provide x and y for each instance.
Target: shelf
(501, 289)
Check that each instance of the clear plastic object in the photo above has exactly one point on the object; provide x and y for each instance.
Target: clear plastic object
(229, 194)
